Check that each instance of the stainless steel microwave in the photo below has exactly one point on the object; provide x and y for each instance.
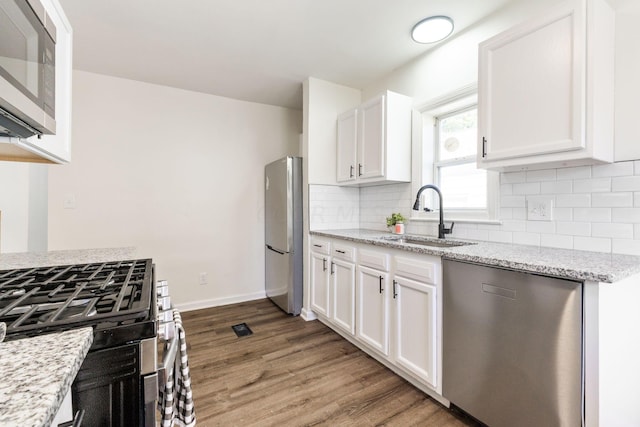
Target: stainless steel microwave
(27, 69)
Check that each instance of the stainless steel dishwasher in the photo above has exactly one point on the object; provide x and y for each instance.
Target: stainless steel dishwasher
(512, 346)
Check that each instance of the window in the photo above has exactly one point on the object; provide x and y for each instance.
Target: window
(448, 159)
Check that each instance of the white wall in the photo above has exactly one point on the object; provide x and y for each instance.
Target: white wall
(453, 64)
(177, 174)
(23, 207)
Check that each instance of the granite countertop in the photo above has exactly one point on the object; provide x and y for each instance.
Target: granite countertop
(565, 263)
(37, 373)
(67, 257)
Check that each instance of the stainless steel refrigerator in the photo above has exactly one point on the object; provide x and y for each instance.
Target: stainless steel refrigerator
(283, 233)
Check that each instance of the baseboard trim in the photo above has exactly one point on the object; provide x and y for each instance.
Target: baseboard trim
(307, 315)
(199, 305)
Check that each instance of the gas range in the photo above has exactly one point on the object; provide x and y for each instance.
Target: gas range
(117, 384)
(115, 298)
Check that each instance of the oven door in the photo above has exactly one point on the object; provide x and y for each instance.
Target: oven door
(27, 69)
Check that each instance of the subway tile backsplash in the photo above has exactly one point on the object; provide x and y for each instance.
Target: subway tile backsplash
(595, 208)
(332, 207)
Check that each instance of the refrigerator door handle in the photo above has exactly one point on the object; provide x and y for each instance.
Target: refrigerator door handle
(275, 250)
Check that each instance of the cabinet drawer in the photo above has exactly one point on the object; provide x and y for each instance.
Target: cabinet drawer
(347, 253)
(423, 271)
(320, 246)
(374, 260)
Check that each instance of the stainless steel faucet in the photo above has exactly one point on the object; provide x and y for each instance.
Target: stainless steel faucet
(442, 230)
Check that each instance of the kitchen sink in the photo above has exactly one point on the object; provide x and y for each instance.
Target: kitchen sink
(421, 241)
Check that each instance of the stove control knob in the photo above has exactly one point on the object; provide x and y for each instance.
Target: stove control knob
(166, 330)
(165, 316)
(162, 288)
(164, 303)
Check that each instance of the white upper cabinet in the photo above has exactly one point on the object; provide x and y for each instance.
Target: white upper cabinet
(545, 90)
(374, 141)
(347, 145)
(371, 139)
(50, 148)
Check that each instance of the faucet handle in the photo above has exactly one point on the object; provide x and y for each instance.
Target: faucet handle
(449, 230)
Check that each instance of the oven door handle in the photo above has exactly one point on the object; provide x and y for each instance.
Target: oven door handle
(168, 361)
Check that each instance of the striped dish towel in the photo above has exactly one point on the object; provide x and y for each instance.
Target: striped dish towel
(177, 405)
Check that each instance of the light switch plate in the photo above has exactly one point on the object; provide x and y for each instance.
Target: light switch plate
(539, 209)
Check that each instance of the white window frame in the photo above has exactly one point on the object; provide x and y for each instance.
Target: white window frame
(423, 132)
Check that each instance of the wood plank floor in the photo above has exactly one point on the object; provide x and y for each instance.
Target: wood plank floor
(294, 373)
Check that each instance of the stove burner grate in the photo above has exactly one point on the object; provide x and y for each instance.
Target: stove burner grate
(75, 295)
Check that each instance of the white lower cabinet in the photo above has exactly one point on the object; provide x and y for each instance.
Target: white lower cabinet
(372, 325)
(387, 302)
(319, 276)
(320, 283)
(417, 322)
(343, 287)
(415, 346)
(65, 412)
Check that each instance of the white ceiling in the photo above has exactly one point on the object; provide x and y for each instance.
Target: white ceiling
(255, 50)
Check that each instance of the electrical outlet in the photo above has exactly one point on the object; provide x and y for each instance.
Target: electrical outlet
(539, 209)
(203, 278)
(69, 201)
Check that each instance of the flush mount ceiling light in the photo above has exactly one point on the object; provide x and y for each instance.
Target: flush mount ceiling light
(432, 29)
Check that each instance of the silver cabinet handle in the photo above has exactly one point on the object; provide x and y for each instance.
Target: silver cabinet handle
(332, 265)
(380, 277)
(324, 264)
(395, 294)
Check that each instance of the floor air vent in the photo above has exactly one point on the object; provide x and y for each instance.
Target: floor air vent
(241, 330)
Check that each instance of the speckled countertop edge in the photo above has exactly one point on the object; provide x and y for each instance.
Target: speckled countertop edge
(65, 257)
(37, 373)
(564, 263)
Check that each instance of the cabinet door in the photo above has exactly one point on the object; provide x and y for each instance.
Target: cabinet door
(319, 283)
(415, 328)
(531, 87)
(343, 275)
(372, 321)
(346, 146)
(371, 138)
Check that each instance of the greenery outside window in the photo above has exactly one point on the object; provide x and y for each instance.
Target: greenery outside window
(447, 158)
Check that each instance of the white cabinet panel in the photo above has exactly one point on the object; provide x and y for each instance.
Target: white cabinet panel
(371, 139)
(545, 90)
(343, 286)
(415, 328)
(319, 283)
(372, 325)
(346, 148)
